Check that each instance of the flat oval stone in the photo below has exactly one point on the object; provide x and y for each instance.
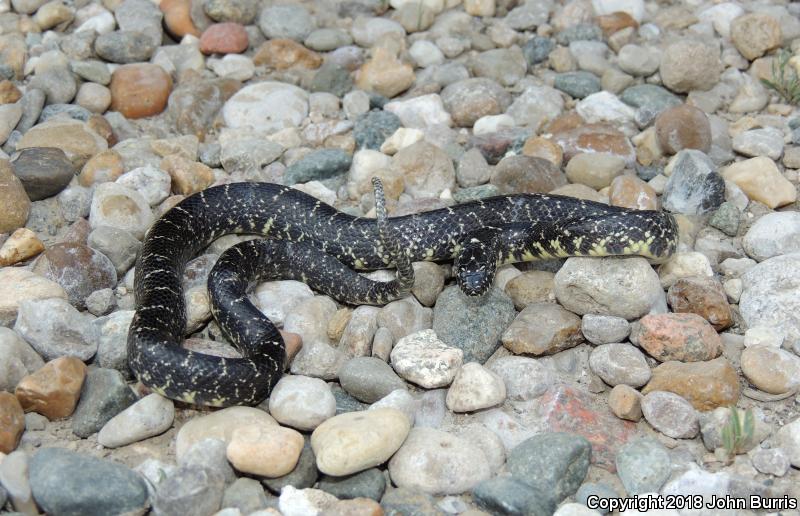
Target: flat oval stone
(140, 90)
(218, 425)
(79, 269)
(44, 171)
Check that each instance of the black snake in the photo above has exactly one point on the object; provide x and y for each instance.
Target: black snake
(313, 242)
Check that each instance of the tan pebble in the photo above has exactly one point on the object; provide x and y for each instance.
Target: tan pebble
(760, 179)
(755, 34)
(178, 18)
(94, 97)
(596, 170)
(531, 287)
(53, 390)
(338, 323)
(544, 148)
(102, 168)
(625, 402)
(354, 507)
(9, 93)
(615, 22)
(15, 205)
(21, 245)
(385, 74)
(188, 176)
(219, 425)
(268, 451)
(186, 145)
(771, 369)
(706, 385)
(12, 422)
(631, 192)
(580, 191)
(77, 139)
(283, 54)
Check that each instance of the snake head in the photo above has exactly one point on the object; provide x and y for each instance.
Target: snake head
(475, 266)
(474, 283)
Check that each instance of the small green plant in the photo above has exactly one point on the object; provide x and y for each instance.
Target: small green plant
(784, 78)
(738, 433)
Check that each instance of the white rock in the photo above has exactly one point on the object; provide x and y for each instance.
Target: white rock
(100, 23)
(618, 364)
(218, 425)
(425, 53)
(536, 106)
(267, 106)
(401, 139)
(304, 502)
(575, 509)
(773, 234)
(721, 16)
(151, 182)
(605, 107)
(524, 378)
(302, 402)
(310, 318)
(670, 414)
(319, 360)
(425, 360)
(684, 265)
(487, 441)
(20, 284)
(475, 387)
(767, 141)
(278, 298)
(436, 6)
(420, 112)
(233, 66)
(9, 116)
(54, 328)
(604, 329)
(399, 399)
(151, 415)
(764, 336)
(766, 300)
(118, 206)
(492, 123)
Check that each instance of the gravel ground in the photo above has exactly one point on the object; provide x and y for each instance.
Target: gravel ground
(572, 381)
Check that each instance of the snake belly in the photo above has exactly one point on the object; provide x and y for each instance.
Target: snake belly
(553, 227)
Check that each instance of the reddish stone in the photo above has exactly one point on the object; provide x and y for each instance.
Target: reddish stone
(702, 296)
(593, 138)
(286, 53)
(565, 409)
(140, 90)
(685, 337)
(683, 127)
(12, 422)
(178, 18)
(224, 38)
(53, 390)
(631, 192)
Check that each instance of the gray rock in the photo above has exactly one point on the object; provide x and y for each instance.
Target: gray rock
(473, 193)
(140, 16)
(474, 326)
(372, 129)
(649, 97)
(17, 359)
(301, 402)
(555, 463)
(472, 169)
(123, 46)
(57, 83)
(327, 39)
(245, 494)
(69, 110)
(91, 70)
(506, 496)
(100, 302)
(771, 461)
(189, 490)
(209, 454)
(75, 202)
(118, 245)
(319, 165)
(150, 416)
(670, 414)
(369, 379)
(604, 329)
(237, 11)
(694, 187)
(69, 483)
(431, 409)
(591, 489)
(43, 171)
(401, 501)
(32, 103)
(332, 78)
(537, 49)
(726, 218)
(619, 364)
(765, 300)
(577, 84)
(366, 484)
(35, 422)
(503, 65)
(767, 141)
(286, 21)
(525, 378)
(248, 156)
(112, 340)
(303, 476)
(104, 395)
(643, 466)
(773, 234)
(580, 32)
(712, 423)
(14, 479)
(54, 329)
(535, 106)
(470, 99)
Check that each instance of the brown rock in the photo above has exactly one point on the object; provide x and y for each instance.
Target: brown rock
(385, 74)
(286, 53)
(755, 34)
(178, 18)
(353, 507)
(9, 93)
(78, 268)
(186, 145)
(525, 174)
(224, 38)
(706, 385)
(614, 22)
(293, 342)
(531, 287)
(543, 329)
(631, 192)
(545, 148)
(188, 176)
(100, 125)
(77, 139)
(12, 422)
(102, 168)
(14, 51)
(702, 296)
(593, 138)
(21, 245)
(140, 90)
(53, 390)
(625, 402)
(686, 337)
(683, 127)
(493, 146)
(14, 202)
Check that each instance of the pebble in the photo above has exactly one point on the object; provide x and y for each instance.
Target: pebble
(788, 438)
(238, 11)
(369, 379)
(771, 461)
(536, 106)
(619, 364)
(54, 328)
(147, 417)
(530, 287)
(604, 329)
(369, 483)
(54, 389)
(298, 502)
(218, 425)
(577, 85)
(66, 482)
(554, 463)
(726, 218)
(524, 378)
(686, 337)
(302, 402)
(773, 234)
(436, 462)
(670, 414)
(528, 174)
(425, 360)
(303, 475)
(643, 466)
(475, 387)
(596, 170)
(120, 207)
(384, 74)
(356, 441)
(224, 38)
(420, 112)
(101, 168)
(702, 296)
(542, 328)
(21, 245)
(17, 359)
(755, 34)
(625, 402)
(14, 199)
(764, 336)
(604, 106)
(104, 395)
(706, 385)
(286, 21)
(209, 454)
(761, 181)
(688, 65)
(318, 165)
(764, 300)
(140, 90)
(683, 127)
(12, 422)
(266, 106)
(245, 495)
(189, 489)
(281, 54)
(264, 450)
(694, 186)
(427, 171)
(504, 495)
(21, 285)
(79, 269)
(621, 287)
(684, 265)
(771, 369)
(278, 298)
(766, 142)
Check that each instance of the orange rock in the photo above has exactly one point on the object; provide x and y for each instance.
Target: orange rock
(178, 18)
(615, 22)
(12, 422)
(286, 53)
(702, 296)
(686, 337)
(354, 507)
(683, 127)
(100, 125)
(632, 192)
(21, 245)
(544, 148)
(385, 74)
(294, 343)
(101, 168)
(53, 390)
(140, 90)
(706, 385)
(625, 402)
(188, 176)
(591, 138)
(9, 93)
(224, 38)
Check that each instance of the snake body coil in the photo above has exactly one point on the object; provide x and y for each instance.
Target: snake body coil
(313, 242)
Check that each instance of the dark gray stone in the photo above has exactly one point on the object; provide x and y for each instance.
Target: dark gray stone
(405, 502)
(367, 484)
(68, 483)
(726, 218)
(189, 490)
(104, 395)
(345, 402)
(123, 46)
(643, 465)
(591, 489)
(369, 379)
(32, 103)
(577, 84)
(694, 187)
(537, 49)
(332, 78)
(506, 496)
(555, 463)
(473, 325)
(372, 129)
(303, 476)
(580, 32)
(319, 165)
(245, 494)
(43, 171)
